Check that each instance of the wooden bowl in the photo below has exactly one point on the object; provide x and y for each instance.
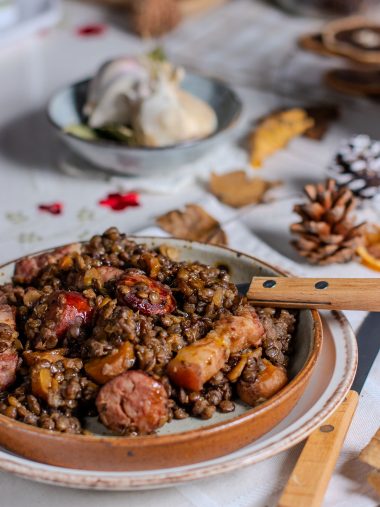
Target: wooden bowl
(184, 441)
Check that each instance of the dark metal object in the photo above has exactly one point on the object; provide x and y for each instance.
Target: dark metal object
(368, 337)
(268, 284)
(243, 288)
(321, 285)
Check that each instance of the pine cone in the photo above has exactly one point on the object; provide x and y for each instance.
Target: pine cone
(328, 233)
(151, 18)
(357, 166)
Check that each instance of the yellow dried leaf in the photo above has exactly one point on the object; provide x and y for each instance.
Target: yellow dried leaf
(237, 190)
(369, 253)
(275, 131)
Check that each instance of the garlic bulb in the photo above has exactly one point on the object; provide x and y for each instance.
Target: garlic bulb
(117, 85)
(146, 95)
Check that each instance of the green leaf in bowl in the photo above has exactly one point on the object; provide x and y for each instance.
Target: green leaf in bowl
(119, 133)
(82, 131)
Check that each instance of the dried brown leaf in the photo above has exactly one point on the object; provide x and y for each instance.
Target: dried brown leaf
(236, 189)
(194, 223)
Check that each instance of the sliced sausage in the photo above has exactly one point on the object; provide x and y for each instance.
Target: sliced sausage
(197, 363)
(28, 268)
(268, 382)
(132, 401)
(8, 367)
(8, 352)
(67, 308)
(144, 295)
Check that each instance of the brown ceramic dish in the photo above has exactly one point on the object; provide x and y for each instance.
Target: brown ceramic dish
(180, 442)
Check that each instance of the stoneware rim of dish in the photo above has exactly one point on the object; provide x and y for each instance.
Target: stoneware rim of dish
(165, 439)
(110, 144)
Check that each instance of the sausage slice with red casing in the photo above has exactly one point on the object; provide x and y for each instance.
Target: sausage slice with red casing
(144, 295)
(133, 401)
(65, 308)
(8, 353)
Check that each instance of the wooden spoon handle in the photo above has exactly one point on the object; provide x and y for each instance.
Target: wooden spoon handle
(308, 482)
(327, 293)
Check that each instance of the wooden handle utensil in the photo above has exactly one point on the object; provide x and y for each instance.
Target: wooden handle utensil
(322, 293)
(308, 482)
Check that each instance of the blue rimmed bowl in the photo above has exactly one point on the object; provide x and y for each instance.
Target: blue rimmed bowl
(65, 108)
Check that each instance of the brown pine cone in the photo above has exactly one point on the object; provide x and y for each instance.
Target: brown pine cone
(327, 231)
(151, 18)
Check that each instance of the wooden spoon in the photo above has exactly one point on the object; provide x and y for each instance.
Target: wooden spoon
(320, 293)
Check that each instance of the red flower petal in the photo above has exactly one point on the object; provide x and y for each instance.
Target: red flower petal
(118, 202)
(91, 30)
(55, 208)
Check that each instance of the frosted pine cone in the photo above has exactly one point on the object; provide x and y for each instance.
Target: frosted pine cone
(357, 166)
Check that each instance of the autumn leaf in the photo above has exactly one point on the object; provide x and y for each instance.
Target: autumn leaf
(193, 223)
(236, 189)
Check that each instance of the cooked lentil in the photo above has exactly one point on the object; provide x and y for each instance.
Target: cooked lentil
(58, 394)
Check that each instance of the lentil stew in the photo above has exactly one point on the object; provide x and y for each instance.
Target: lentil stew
(113, 329)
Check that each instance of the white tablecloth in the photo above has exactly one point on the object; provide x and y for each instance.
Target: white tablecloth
(247, 43)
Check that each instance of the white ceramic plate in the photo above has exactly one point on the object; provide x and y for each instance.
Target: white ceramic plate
(330, 382)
